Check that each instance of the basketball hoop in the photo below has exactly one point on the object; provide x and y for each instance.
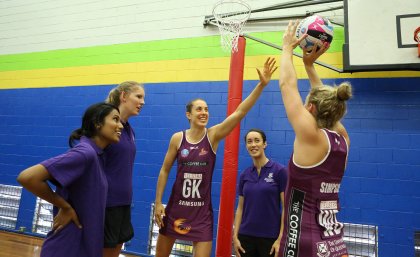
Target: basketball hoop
(417, 39)
(231, 16)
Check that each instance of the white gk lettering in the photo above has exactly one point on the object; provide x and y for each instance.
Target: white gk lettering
(190, 188)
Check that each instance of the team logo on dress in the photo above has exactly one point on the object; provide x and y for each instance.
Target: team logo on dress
(336, 141)
(322, 249)
(180, 227)
(185, 152)
(203, 152)
(269, 178)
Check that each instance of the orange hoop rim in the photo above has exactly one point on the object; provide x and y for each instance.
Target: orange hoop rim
(417, 35)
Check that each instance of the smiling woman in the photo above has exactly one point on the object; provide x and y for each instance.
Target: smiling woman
(257, 229)
(129, 97)
(189, 213)
(81, 186)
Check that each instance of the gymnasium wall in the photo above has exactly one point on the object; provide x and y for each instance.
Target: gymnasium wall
(57, 57)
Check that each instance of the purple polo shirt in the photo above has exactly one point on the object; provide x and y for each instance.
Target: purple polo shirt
(261, 213)
(119, 168)
(80, 180)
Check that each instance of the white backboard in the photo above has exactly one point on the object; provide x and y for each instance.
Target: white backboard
(380, 35)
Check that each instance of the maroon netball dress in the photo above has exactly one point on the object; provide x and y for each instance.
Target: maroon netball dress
(311, 205)
(189, 213)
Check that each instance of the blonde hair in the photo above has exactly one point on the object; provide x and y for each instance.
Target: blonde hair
(330, 103)
(126, 87)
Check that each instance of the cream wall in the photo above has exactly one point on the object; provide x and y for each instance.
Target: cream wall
(36, 25)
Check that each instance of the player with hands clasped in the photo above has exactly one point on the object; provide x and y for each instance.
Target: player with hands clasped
(257, 228)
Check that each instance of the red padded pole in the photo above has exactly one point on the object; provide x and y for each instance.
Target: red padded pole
(230, 162)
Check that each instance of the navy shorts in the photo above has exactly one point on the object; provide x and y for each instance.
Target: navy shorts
(118, 228)
(256, 246)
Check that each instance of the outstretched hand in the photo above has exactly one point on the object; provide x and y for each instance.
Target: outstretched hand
(309, 57)
(268, 71)
(290, 41)
(64, 217)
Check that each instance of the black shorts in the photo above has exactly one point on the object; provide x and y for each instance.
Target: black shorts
(256, 246)
(118, 228)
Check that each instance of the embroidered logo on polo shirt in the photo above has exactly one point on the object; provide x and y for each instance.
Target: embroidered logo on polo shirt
(185, 152)
(269, 178)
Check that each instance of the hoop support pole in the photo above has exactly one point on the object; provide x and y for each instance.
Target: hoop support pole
(230, 160)
(296, 16)
(287, 5)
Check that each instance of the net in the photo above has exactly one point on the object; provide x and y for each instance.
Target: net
(231, 15)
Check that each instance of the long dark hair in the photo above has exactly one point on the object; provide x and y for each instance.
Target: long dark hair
(190, 104)
(94, 116)
(263, 136)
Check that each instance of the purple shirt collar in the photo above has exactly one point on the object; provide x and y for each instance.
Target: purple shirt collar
(89, 141)
(269, 164)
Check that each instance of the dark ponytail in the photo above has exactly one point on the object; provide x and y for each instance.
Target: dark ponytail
(92, 120)
(75, 135)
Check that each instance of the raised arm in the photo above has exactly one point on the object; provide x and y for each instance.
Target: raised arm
(221, 130)
(309, 59)
(301, 120)
(163, 176)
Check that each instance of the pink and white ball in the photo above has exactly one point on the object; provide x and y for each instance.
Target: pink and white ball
(319, 30)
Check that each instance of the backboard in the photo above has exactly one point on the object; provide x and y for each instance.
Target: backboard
(379, 35)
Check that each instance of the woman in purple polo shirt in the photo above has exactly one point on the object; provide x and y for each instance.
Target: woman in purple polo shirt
(319, 158)
(189, 213)
(257, 227)
(129, 97)
(81, 186)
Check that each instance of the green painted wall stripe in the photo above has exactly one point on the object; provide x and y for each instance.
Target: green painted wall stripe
(174, 49)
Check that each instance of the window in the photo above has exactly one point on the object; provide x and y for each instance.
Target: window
(43, 217)
(9, 205)
(361, 240)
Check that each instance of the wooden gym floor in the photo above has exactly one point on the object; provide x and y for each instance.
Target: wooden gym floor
(18, 245)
